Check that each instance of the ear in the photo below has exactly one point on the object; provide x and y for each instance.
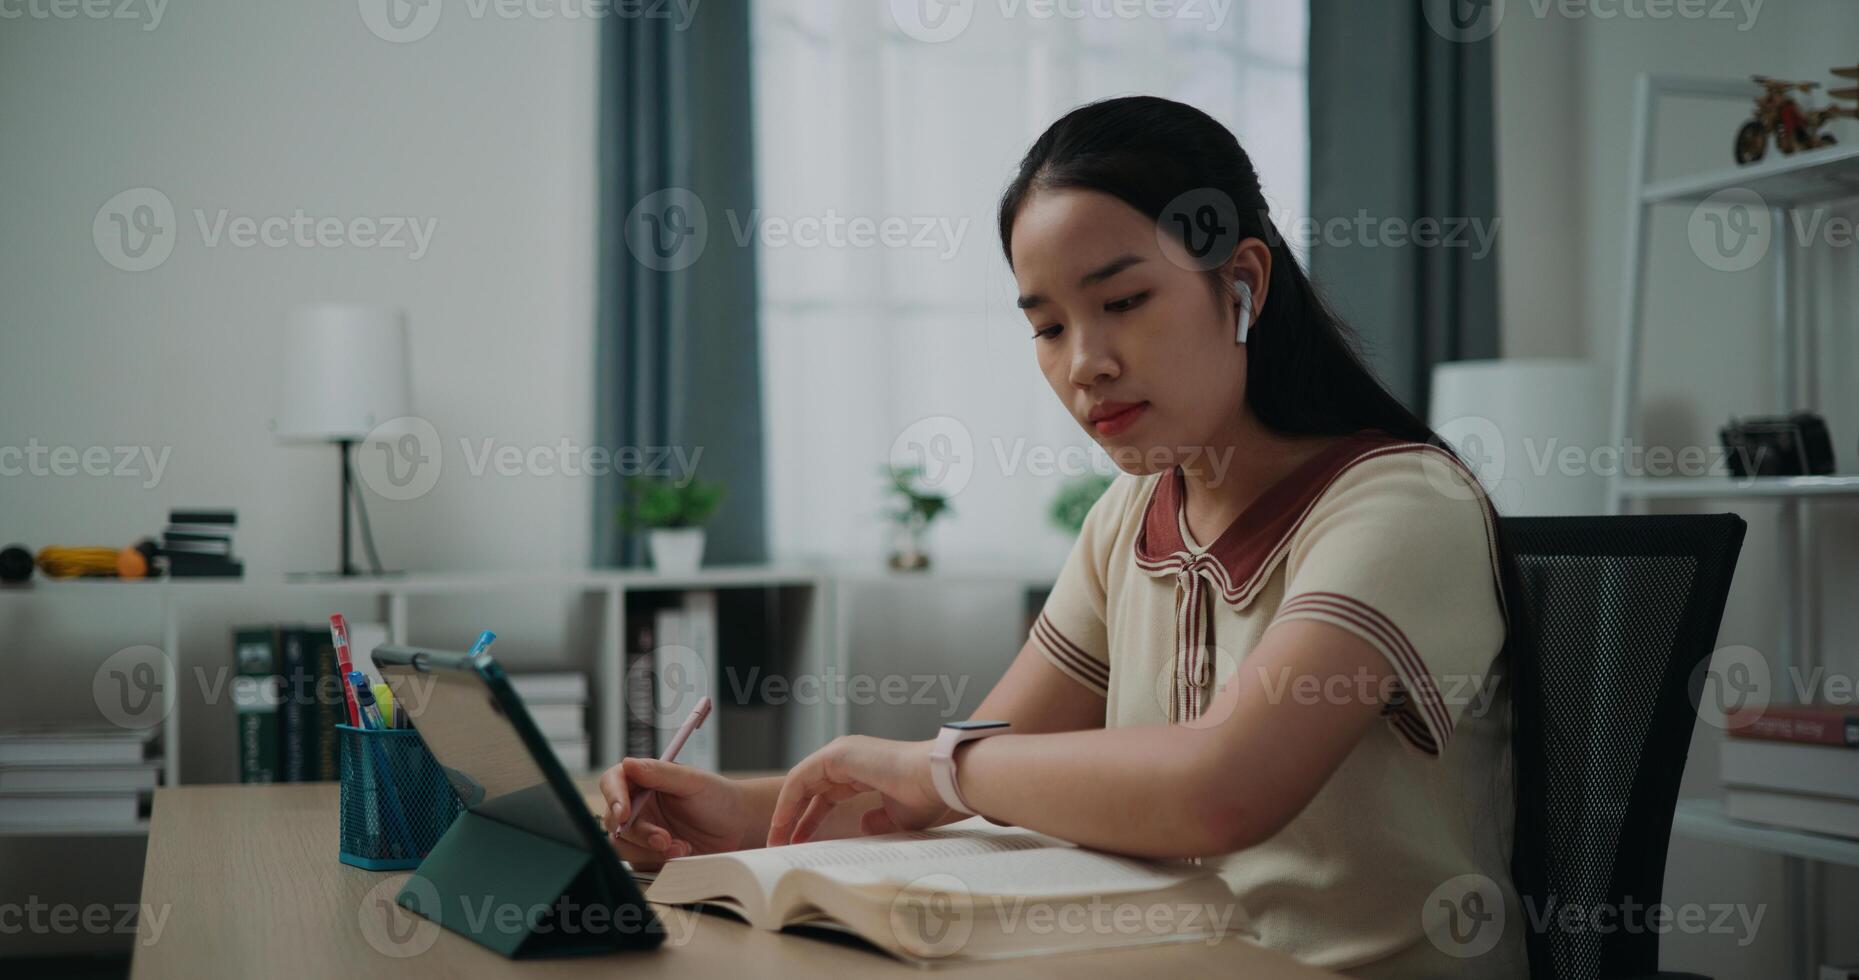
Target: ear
(1250, 265)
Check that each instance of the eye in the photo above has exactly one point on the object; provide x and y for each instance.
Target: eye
(1048, 333)
(1127, 303)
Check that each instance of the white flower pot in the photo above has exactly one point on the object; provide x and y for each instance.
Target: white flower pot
(676, 550)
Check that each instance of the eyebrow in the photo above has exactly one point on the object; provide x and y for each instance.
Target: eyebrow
(1093, 277)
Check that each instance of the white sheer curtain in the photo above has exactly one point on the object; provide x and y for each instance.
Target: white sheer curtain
(863, 128)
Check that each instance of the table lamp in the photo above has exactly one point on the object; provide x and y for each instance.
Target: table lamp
(345, 373)
(1521, 416)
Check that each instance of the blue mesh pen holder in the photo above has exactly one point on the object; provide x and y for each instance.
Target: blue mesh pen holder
(396, 802)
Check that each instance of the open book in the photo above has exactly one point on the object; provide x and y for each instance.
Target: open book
(967, 891)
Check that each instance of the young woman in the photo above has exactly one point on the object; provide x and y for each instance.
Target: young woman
(1275, 645)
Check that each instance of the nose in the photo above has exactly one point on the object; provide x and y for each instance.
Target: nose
(1093, 358)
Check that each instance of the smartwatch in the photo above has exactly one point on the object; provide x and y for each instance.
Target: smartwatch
(942, 757)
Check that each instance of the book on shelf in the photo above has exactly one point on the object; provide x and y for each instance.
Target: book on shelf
(288, 700)
(87, 745)
(62, 776)
(684, 670)
(257, 691)
(572, 753)
(1795, 811)
(198, 544)
(1790, 767)
(84, 778)
(550, 687)
(1820, 724)
(563, 721)
(41, 808)
(641, 696)
(967, 891)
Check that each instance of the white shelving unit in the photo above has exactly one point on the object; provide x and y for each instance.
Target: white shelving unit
(1785, 184)
(818, 652)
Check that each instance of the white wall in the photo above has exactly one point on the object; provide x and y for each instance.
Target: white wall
(1565, 120)
(484, 127)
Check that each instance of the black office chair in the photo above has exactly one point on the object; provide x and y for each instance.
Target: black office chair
(1622, 613)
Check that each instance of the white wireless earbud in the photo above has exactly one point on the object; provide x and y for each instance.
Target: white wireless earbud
(1245, 310)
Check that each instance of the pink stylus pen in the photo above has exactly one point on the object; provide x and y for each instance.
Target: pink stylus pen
(691, 724)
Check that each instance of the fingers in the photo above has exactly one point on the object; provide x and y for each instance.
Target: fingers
(614, 790)
(812, 817)
(876, 820)
(804, 783)
(665, 777)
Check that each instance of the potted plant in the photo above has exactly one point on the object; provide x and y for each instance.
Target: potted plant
(672, 515)
(916, 509)
(1074, 501)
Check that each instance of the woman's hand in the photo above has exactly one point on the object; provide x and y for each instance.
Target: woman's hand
(853, 764)
(691, 812)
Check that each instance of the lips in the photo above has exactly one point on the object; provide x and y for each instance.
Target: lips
(1111, 418)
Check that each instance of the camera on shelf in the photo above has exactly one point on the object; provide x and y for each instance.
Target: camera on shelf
(1779, 445)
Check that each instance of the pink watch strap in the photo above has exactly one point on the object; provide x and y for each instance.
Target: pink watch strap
(942, 760)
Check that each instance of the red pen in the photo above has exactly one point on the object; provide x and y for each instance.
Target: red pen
(339, 632)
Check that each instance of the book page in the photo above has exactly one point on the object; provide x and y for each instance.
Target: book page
(972, 836)
(1041, 872)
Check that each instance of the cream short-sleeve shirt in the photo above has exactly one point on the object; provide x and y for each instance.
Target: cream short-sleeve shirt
(1393, 542)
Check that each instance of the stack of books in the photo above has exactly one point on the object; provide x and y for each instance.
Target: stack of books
(198, 544)
(1794, 766)
(287, 696)
(557, 702)
(65, 777)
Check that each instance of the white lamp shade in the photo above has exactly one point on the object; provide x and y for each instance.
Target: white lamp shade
(1529, 428)
(344, 371)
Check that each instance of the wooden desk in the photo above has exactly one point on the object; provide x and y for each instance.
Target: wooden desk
(243, 881)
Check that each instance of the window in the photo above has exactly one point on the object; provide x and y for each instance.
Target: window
(887, 308)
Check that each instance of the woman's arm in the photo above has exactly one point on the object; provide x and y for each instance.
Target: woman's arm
(696, 812)
(1232, 778)
(1034, 695)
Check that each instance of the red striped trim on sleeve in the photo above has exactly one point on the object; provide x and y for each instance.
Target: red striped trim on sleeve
(1070, 658)
(1369, 623)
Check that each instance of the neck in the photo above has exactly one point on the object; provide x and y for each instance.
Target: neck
(1236, 469)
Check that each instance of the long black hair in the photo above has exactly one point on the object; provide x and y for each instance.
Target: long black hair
(1304, 371)
(1304, 374)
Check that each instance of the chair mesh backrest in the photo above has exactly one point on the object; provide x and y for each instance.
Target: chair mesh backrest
(1621, 613)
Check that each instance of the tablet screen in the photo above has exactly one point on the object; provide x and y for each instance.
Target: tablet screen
(478, 747)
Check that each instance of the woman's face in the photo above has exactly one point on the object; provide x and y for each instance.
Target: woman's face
(1129, 333)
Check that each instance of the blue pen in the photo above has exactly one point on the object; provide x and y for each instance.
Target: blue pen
(400, 836)
(364, 700)
(485, 639)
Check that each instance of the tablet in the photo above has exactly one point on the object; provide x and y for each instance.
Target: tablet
(503, 770)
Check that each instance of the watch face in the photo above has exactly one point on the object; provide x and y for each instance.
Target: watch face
(970, 726)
